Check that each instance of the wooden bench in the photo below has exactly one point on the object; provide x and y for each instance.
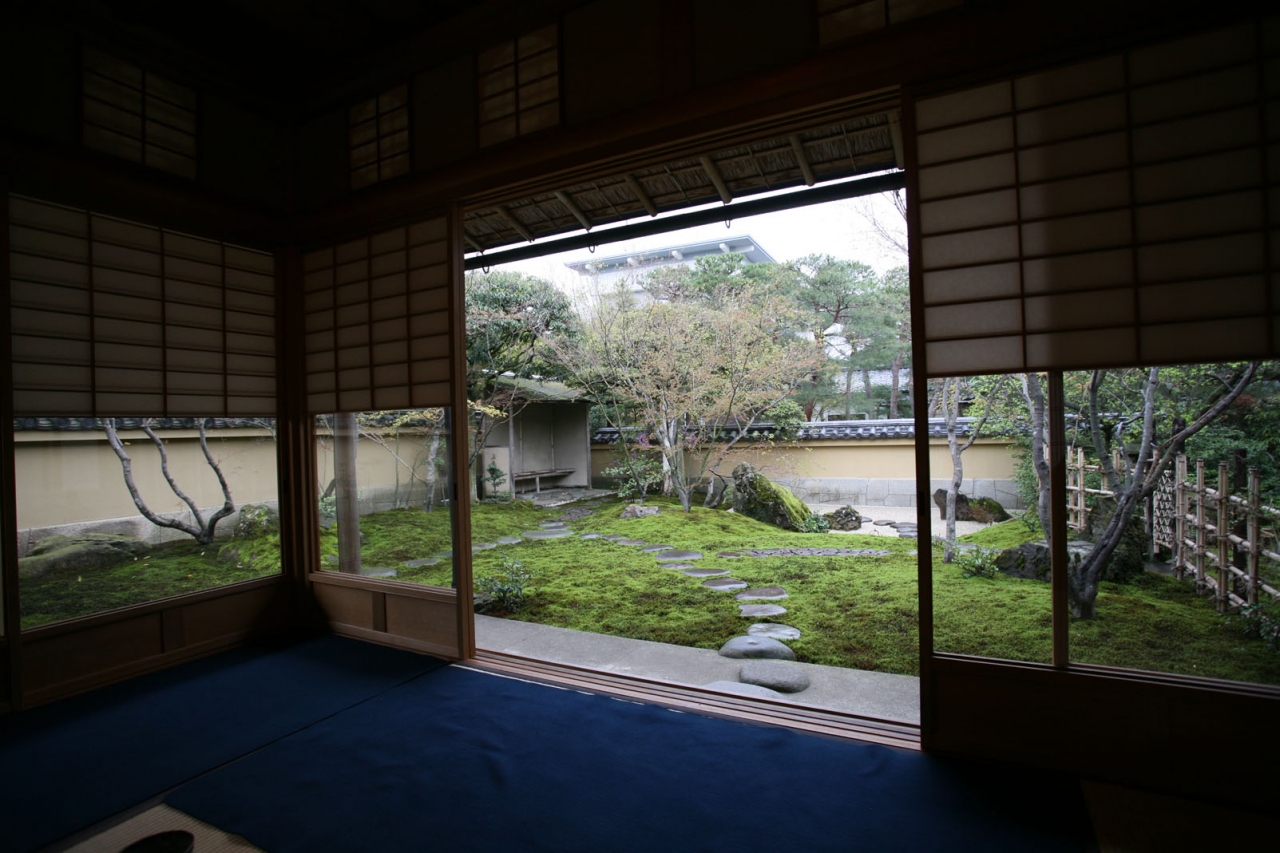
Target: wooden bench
(537, 476)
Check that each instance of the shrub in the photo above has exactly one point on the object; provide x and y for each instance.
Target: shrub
(977, 562)
(1262, 621)
(637, 478)
(815, 524)
(509, 585)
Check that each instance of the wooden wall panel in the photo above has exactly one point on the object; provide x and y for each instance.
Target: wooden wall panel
(444, 114)
(422, 619)
(346, 605)
(232, 615)
(56, 660)
(39, 82)
(611, 73)
(428, 620)
(1181, 735)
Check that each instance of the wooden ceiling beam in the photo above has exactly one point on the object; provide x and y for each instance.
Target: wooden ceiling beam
(802, 159)
(641, 194)
(573, 208)
(709, 166)
(514, 223)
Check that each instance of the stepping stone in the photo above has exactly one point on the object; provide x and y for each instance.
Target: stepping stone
(756, 611)
(589, 536)
(676, 566)
(510, 540)
(445, 555)
(417, 564)
(704, 573)
(762, 593)
(557, 533)
(756, 648)
(482, 546)
(724, 584)
(729, 555)
(753, 690)
(883, 522)
(774, 631)
(634, 543)
(377, 571)
(775, 675)
(551, 525)
(613, 537)
(653, 549)
(674, 555)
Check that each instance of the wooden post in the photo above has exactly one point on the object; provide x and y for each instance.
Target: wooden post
(1254, 534)
(1199, 524)
(1239, 527)
(1180, 516)
(1223, 531)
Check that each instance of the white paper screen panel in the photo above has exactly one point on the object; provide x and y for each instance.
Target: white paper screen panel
(117, 318)
(377, 321)
(1118, 211)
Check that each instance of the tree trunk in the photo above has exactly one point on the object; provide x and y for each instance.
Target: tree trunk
(895, 372)
(344, 472)
(1039, 462)
(951, 409)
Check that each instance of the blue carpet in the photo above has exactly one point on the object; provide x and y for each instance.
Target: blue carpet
(460, 760)
(68, 765)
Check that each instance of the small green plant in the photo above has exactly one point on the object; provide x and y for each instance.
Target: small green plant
(496, 477)
(815, 524)
(509, 585)
(977, 562)
(328, 506)
(635, 478)
(1262, 621)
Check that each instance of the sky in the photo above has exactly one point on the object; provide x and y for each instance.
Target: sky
(838, 228)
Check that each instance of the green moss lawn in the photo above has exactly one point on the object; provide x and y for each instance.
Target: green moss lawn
(853, 611)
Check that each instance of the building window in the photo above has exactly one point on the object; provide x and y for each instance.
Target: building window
(379, 137)
(137, 115)
(519, 86)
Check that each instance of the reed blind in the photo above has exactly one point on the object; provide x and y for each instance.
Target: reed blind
(377, 321)
(1119, 211)
(111, 317)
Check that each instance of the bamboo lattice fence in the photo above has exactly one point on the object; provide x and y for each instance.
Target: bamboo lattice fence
(1217, 536)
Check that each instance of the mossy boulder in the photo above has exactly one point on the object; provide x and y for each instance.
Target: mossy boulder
(984, 510)
(845, 518)
(1130, 557)
(80, 551)
(256, 520)
(758, 497)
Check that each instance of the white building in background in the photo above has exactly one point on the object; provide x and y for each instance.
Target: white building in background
(605, 271)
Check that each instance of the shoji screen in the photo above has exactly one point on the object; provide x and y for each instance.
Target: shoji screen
(1118, 211)
(111, 317)
(377, 321)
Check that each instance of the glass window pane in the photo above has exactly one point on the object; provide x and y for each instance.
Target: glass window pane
(990, 565)
(384, 495)
(100, 528)
(1185, 582)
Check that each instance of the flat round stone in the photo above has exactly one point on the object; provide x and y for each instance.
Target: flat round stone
(729, 555)
(676, 565)
(774, 631)
(377, 571)
(756, 647)
(510, 540)
(555, 533)
(883, 522)
(762, 593)
(755, 691)
(415, 564)
(775, 675)
(653, 549)
(724, 584)
(589, 536)
(674, 555)
(482, 546)
(613, 537)
(551, 525)
(634, 543)
(755, 611)
(705, 573)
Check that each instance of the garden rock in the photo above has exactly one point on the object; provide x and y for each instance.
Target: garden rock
(774, 631)
(675, 555)
(589, 536)
(756, 496)
(775, 675)
(724, 584)
(613, 537)
(1031, 559)
(82, 551)
(985, 510)
(633, 543)
(762, 593)
(638, 511)
(757, 611)
(551, 525)
(845, 518)
(730, 555)
(756, 648)
(1129, 559)
(482, 546)
(680, 566)
(653, 549)
(705, 573)
(555, 533)
(755, 691)
(415, 564)
(256, 520)
(510, 540)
